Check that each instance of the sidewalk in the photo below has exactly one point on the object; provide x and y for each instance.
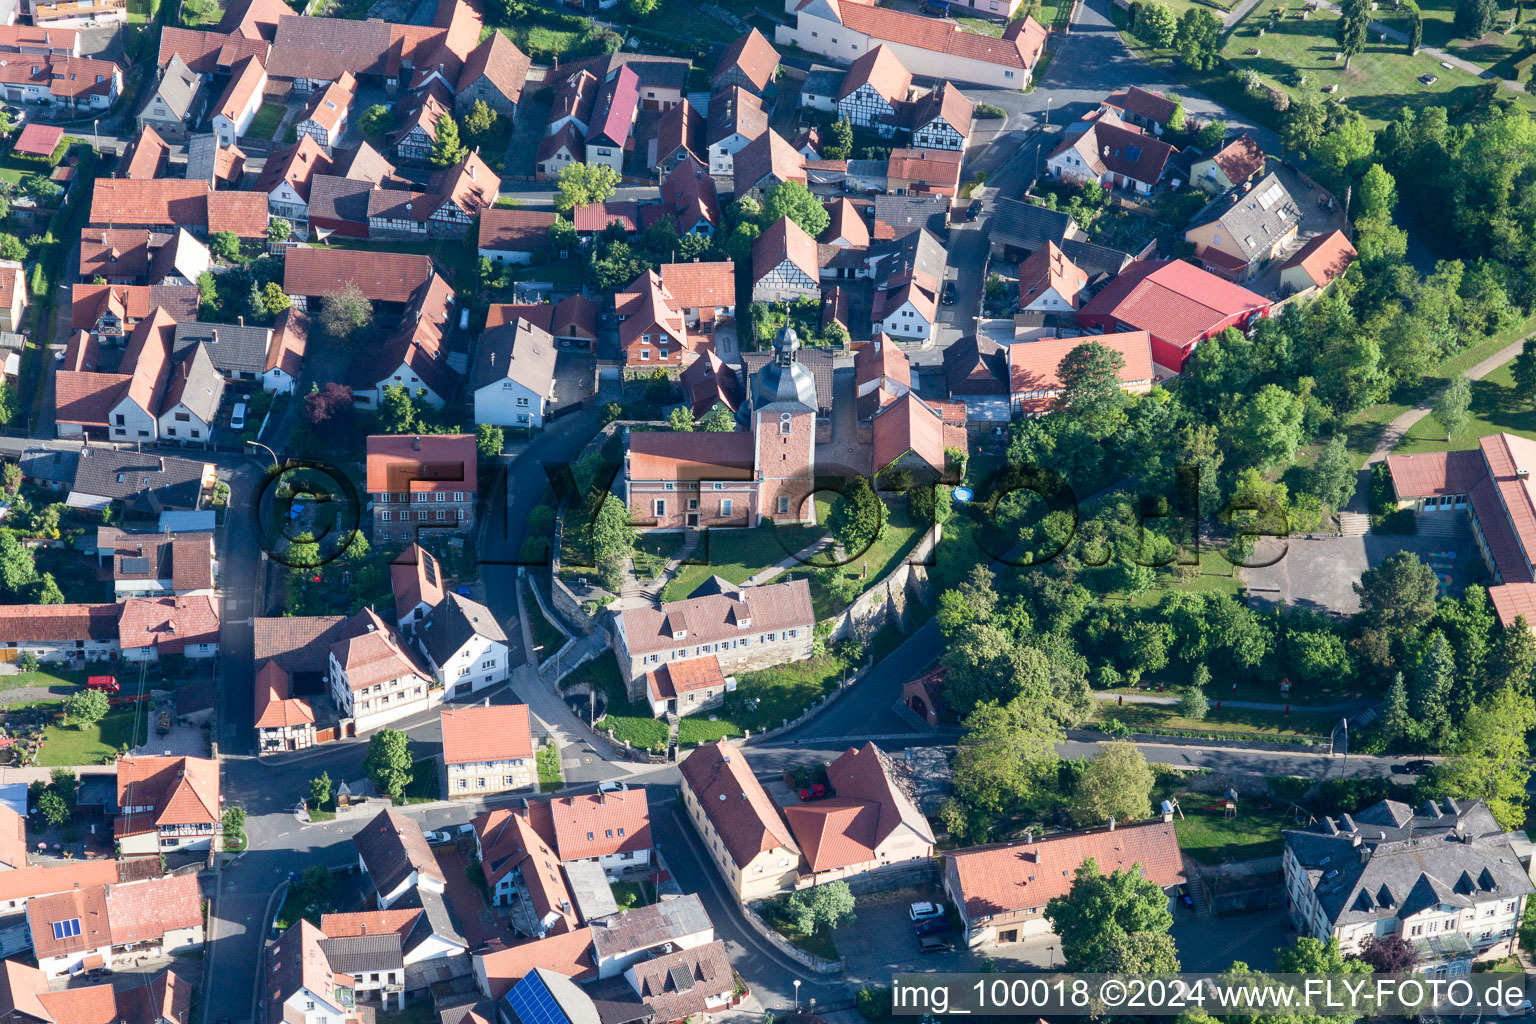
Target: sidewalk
(1251, 705)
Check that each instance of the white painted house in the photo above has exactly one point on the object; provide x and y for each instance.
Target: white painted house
(464, 645)
(514, 375)
(237, 107)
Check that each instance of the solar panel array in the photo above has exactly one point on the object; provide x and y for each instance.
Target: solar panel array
(66, 929)
(531, 1001)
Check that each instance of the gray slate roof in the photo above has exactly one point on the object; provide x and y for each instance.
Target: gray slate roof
(233, 348)
(360, 954)
(1252, 217)
(1095, 259)
(919, 252)
(49, 465)
(451, 624)
(196, 384)
(1394, 861)
(821, 81)
(817, 360)
(906, 214)
(1026, 226)
(155, 480)
(177, 89)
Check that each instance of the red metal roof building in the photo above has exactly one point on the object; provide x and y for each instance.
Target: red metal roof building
(1175, 302)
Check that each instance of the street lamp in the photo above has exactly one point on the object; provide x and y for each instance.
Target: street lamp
(95, 131)
(269, 451)
(797, 994)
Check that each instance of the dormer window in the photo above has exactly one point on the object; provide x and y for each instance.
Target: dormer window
(681, 634)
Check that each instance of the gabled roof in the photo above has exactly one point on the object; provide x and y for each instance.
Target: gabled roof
(244, 85)
(882, 71)
(696, 284)
(689, 194)
(1252, 218)
(1048, 268)
(393, 847)
(680, 128)
(276, 707)
(453, 622)
(735, 803)
(910, 424)
(148, 151)
(1240, 159)
(1173, 300)
(178, 790)
(242, 213)
(1147, 103)
(416, 578)
(753, 56)
(1323, 258)
(846, 223)
(1116, 149)
(234, 348)
(1010, 877)
(690, 455)
(784, 240)
(380, 276)
(708, 381)
(508, 843)
(20, 989)
(369, 651)
(1020, 46)
(290, 339)
(617, 103)
(567, 953)
(519, 351)
(500, 62)
(300, 643)
(170, 481)
(647, 305)
(594, 824)
(948, 103)
(976, 367)
(735, 111)
(417, 342)
(330, 105)
(679, 984)
(516, 230)
(298, 962)
(164, 998)
(255, 19)
(1033, 365)
(130, 302)
(491, 733)
(1027, 226)
(207, 53)
(195, 384)
(768, 154)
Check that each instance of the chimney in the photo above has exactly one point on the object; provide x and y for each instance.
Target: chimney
(416, 443)
(240, 320)
(1349, 823)
(161, 461)
(1111, 822)
(1365, 854)
(215, 338)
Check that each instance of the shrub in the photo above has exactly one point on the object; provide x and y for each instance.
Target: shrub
(874, 1001)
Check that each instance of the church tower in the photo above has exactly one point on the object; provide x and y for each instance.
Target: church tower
(784, 435)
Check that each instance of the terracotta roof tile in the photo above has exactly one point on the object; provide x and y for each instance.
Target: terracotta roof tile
(1020, 46)
(660, 455)
(1018, 876)
(598, 824)
(768, 155)
(695, 285)
(516, 230)
(567, 953)
(169, 623)
(208, 53)
(1033, 365)
(44, 879)
(1172, 300)
(381, 276)
(177, 790)
(1048, 268)
(1323, 258)
(1240, 159)
(406, 463)
(735, 802)
(393, 847)
(882, 71)
(784, 239)
(714, 617)
(498, 732)
(499, 61)
(753, 55)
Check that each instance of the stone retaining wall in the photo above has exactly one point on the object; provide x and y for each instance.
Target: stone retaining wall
(789, 949)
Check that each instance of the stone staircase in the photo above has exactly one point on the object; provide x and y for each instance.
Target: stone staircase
(1354, 524)
(1443, 525)
(1200, 903)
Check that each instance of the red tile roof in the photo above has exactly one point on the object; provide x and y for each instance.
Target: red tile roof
(405, 463)
(40, 139)
(370, 651)
(131, 302)
(847, 224)
(20, 989)
(93, 1004)
(244, 85)
(1033, 365)
(206, 52)
(1019, 876)
(882, 71)
(1323, 258)
(834, 833)
(509, 842)
(677, 677)
(617, 103)
(594, 824)
(369, 922)
(1119, 149)
(597, 216)
(768, 155)
(381, 276)
(1153, 106)
(177, 790)
(296, 165)
(242, 213)
(567, 953)
(112, 915)
(753, 55)
(415, 578)
(1172, 300)
(516, 230)
(13, 839)
(881, 358)
(498, 732)
(910, 424)
(715, 617)
(276, 707)
(1240, 159)
(500, 62)
(935, 171)
(660, 455)
(169, 624)
(735, 803)
(42, 879)
(1510, 461)
(1047, 268)
(1433, 474)
(1020, 46)
(331, 104)
(784, 240)
(696, 284)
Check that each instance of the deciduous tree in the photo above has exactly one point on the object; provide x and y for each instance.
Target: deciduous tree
(87, 707)
(581, 184)
(1453, 406)
(389, 763)
(1115, 784)
(1491, 760)
(1099, 910)
(345, 312)
(857, 517)
(793, 200)
(1523, 369)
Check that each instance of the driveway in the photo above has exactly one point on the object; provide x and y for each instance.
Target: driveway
(880, 942)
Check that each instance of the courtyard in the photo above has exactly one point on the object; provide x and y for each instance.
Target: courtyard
(1319, 574)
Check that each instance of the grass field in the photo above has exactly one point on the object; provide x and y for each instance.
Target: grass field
(546, 637)
(766, 698)
(632, 722)
(1498, 51)
(1210, 838)
(267, 119)
(548, 761)
(734, 555)
(1496, 408)
(1380, 81)
(69, 744)
(697, 728)
(1259, 725)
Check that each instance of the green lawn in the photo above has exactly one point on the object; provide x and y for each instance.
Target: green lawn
(1259, 725)
(632, 722)
(652, 552)
(1209, 837)
(266, 122)
(1498, 51)
(65, 745)
(764, 699)
(819, 943)
(629, 895)
(42, 677)
(982, 26)
(1496, 408)
(548, 761)
(697, 728)
(1380, 81)
(735, 555)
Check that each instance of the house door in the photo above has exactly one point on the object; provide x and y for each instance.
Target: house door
(693, 519)
(1011, 935)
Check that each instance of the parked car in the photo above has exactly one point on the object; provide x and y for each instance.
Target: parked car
(815, 791)
(924, 910)
(440, 836)
(929, 944)
(951, 293)
(1521, 1010)
(1185, 897)
(974, 210)
(237, 418)
(931, 926)
(106, 684)
(612, 787)
(1418, 767)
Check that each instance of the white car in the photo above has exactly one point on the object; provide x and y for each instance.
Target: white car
(237, 418)
(612, 787)
(440, 836)
(925, 911)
